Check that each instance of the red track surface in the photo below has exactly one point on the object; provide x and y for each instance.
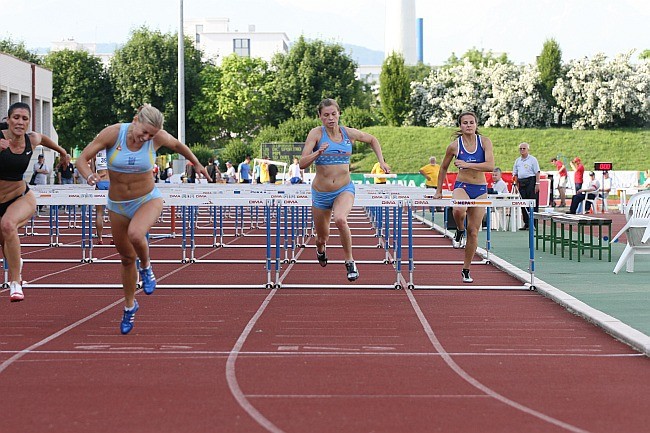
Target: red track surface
(306, 360)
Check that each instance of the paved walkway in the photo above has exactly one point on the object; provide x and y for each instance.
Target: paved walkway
(623, 296)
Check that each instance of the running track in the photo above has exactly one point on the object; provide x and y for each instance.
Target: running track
(307, 360)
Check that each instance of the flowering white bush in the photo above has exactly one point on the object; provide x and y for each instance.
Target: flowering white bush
(515, 101)
(501, 95)
(446, 93)
(595, 93)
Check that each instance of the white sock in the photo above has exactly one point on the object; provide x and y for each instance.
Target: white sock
(129, 309)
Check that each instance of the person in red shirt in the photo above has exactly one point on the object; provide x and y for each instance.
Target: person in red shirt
(576, 165)
(562, 183)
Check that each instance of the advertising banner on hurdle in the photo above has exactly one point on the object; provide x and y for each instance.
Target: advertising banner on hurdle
(406, 179)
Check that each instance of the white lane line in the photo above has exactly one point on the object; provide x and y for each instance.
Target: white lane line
(46, 340)
(475, 383)
(31, 349)
(376, 396)
(290, 352)
(231, 373)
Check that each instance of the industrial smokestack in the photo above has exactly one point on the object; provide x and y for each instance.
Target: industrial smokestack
(420, 40)
(400, 29)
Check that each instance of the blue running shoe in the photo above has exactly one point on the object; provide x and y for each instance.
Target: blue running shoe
(128, 318)
(148, 280)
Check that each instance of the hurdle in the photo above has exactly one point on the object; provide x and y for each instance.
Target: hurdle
(287, 220)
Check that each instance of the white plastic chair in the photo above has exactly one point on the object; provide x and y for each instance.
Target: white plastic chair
(582, 207)
(637, 230)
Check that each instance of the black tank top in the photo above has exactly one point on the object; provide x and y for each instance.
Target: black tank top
(12, 166)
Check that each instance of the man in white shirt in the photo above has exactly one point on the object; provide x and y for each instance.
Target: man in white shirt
(498, 185)
(591, 190)
(42, 170)
(231, 174)
(526, 176)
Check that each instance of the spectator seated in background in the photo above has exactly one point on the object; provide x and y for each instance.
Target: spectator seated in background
(606, 189)
(498, 186)
(590, 191)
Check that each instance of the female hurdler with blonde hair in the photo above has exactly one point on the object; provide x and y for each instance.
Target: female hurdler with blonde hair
(134, 203)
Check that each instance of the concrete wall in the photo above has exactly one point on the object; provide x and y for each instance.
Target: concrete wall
(15, 86)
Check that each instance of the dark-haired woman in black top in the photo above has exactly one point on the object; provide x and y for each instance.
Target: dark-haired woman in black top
(17, 203)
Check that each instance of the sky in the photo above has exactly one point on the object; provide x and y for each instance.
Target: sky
(518, 28)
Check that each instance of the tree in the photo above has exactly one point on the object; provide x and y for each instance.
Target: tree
(18, 49)
(145, 70)
(477, 58)
(645, 55)
(81, 94)
(235, 98)
(549, 64)
(418, 72)
(204, 112)
(308, 73)
(394, 89)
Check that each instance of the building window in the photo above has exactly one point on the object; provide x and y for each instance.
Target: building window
(199, 30)
(242, 47)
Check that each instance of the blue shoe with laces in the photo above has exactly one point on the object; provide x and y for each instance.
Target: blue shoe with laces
(148, 280)
(128, 318)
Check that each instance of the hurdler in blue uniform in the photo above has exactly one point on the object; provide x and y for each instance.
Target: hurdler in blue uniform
(329, 147)
(473, 154)
(134, 203)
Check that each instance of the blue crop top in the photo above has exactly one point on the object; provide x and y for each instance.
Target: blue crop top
(477, 156)
(336, 153)
(13, 166)
(123, 160)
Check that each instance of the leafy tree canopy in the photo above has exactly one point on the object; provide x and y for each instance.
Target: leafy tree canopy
(477, 58)
(394, 90)
(81, 93)
(310, 72)
(18, 49)
(145, 70)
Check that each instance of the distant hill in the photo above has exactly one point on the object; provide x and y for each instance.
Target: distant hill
(100, 48)
(364, 56)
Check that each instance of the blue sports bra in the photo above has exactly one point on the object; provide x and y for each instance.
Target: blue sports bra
(123, 160)
(336, 153)
(477, 155)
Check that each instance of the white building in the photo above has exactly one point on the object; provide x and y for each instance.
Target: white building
(29, 83)
(216, 40)
(92, 48)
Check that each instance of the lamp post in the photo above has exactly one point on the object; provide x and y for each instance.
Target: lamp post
(181, 78)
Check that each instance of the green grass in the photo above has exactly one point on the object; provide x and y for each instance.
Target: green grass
(406, 149)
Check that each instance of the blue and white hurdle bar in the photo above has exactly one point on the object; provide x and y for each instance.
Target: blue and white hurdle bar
(284, 198)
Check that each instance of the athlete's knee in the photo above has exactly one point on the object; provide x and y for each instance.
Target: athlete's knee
(341, 221)
(321, 239)
(136, 235)
(472, 231)
(8, 227)
(127, 260)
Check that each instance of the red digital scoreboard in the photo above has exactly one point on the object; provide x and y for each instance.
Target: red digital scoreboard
(603, 166)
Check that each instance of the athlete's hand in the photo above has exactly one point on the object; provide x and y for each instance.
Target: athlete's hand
(321, 150)
(460, 164)
(204, 172)
(92, 179)
(4, 143)
(385, 167)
